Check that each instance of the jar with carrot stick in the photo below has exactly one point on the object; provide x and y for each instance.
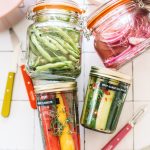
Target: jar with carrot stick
(58, 112)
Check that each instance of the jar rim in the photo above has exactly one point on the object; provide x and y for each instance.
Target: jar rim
(103, 10)
(68, 6)
(55, 87)
(110, 74)
(57, 6)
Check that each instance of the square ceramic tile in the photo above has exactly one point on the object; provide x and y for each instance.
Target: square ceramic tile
(18, 129)
(5, 41)
(142, 77)
(96, 140)
(142, 128)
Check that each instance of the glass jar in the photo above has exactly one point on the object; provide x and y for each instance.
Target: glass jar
(104, 99)
(58, 112)
(54, 39)
(122, 31)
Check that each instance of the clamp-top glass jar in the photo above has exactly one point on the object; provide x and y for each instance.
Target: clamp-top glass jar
(55, 38)
(122, 31)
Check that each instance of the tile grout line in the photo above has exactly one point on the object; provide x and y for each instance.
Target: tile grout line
(133, 98)
(34, 131)
(10, 51)
(84, 94)
(83, 61)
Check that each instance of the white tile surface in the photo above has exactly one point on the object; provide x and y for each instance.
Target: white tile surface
(17, 131)
(38, 143)
(88, 45)
(142, 77)
(142, 129)
(97, 140)
(19, 87)
(21, 131)
(5, 39)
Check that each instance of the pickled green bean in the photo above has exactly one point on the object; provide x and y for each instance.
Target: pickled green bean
(41, 50)
(54, 65)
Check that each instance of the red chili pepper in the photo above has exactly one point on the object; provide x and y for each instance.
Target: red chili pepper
(107, 92)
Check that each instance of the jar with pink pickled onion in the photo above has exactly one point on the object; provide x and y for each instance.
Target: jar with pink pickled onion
(122, 31)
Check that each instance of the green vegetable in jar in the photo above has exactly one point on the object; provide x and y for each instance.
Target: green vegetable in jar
(115, 110)
(104, 100)
(56, 50)
(104, 108)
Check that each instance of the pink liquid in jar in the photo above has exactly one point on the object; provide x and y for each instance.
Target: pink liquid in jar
(123, 36)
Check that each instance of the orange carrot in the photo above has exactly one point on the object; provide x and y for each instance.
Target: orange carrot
(51, 141)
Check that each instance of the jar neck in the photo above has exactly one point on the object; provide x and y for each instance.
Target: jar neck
(56, 15)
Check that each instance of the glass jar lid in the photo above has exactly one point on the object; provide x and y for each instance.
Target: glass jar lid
(103, 10)
(55, 87)
(68, 5)
(110, 74)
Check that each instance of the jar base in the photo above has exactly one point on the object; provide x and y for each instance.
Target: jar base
(102, 131)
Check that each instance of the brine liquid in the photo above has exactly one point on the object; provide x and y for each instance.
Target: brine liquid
(122, 37)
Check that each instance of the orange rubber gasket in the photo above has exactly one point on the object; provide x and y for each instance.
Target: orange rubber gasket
(58, 6)
(92, 22)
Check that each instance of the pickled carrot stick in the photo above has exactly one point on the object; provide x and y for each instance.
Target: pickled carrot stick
(51, 141)
(75, 135)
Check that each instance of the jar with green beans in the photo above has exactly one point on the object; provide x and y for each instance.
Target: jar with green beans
(54, 39)
(104, 99)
